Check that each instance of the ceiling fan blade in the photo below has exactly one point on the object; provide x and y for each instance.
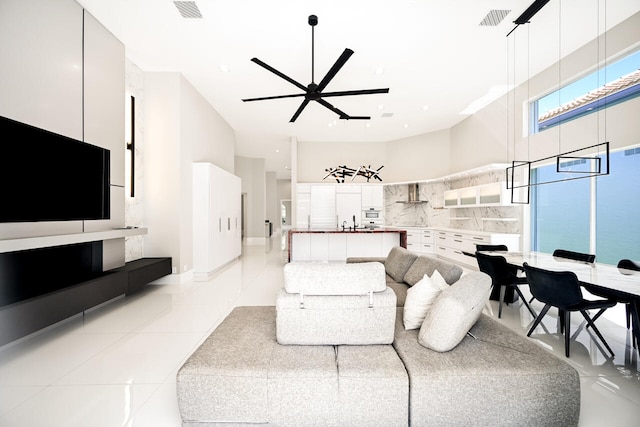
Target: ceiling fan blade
(354, 92)
(334, 70)
(356, 118)
(297, 113)
(274, 97)
(324, 103)
(279, 74)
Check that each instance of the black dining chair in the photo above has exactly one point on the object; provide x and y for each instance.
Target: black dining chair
(619, 297)
(485, 248)
(509, 295)
(576, 256)
(628, 264)
(503, 276)
(497, 248)
(561, 289)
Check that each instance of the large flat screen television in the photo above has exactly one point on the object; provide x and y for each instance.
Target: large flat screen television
(45, 176)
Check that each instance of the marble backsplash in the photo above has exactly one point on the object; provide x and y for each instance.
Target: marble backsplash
(501, 219)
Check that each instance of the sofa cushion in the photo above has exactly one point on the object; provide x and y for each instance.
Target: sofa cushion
(400, 290)
(454, 312)
(420, 298)
(498, 378)
(398, 262)
(425, 264)
(318, 278)
(335, 319)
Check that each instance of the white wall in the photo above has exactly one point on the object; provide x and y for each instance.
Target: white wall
(409, 159)
(315, 157)
(64, 72)
(252, 173)
(483, 137)
(271, 199)
(417, 158)
(180, 128)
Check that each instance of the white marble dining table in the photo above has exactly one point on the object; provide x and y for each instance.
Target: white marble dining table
(625, 282)
(597, 274)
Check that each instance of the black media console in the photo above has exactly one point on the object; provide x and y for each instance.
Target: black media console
(40, 287)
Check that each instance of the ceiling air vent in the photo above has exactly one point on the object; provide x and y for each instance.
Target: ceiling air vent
(386, 115)
(494, 17)
(188, 9)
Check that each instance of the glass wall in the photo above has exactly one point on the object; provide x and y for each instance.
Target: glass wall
(618, 209)
(561, 212)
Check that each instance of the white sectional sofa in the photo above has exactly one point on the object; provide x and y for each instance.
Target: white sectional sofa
(242, 375)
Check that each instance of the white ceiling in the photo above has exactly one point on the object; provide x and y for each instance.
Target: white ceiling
(435, 57)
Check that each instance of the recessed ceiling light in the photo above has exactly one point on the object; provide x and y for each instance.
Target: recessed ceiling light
(224, 68)
(380, 107)
(379, 70)
(368, 125)
(425, 107)
(406, 125)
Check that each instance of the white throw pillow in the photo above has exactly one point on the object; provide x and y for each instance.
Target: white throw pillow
(419, 299)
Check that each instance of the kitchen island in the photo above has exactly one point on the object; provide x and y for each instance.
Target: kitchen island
(336, 245)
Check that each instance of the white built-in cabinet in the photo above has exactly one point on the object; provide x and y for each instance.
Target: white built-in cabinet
(452, 243)
(328, 206)
(348, 205)
(217, 230)
(420, 240)
(323, 206)
(372, 196)
(494, 194)
(339, 246)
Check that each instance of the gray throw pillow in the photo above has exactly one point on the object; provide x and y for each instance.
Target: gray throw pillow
(454, 312)
(398, 262)
(425, 264)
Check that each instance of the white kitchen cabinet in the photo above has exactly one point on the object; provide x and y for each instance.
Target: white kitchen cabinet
(323, 206)
(216, 219)
(337, 247)
(302, 244)
(364, 244)
(494, 194)
(347, 207)
(303, 210)
(420, 240)
(319, 247)
(372, 196)
(451, 243)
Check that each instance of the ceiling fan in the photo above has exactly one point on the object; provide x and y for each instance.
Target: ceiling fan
(313, 91)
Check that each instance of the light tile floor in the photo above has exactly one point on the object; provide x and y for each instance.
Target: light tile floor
(116, 365)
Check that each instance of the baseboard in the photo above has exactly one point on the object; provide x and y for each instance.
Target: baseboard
(255, 240)
(175, 279)
(207, 275)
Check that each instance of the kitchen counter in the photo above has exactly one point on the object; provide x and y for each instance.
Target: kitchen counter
(452, 230)
(334, 244)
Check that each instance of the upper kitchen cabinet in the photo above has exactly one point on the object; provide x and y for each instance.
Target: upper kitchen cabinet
(494, 194)
(372, 196)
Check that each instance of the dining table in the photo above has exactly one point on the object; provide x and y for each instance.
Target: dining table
(624, 282)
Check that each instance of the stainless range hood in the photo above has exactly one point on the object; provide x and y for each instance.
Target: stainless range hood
(414, 194)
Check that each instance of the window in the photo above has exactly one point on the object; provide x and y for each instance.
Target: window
(616, 83)
(561, 212)
(617, 208)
